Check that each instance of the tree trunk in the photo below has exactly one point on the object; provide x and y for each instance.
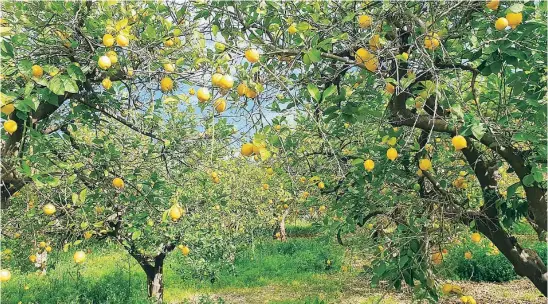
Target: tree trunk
(526, 262)
(155, 284)
(283, 234)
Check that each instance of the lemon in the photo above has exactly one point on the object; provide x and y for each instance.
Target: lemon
(493, 4)
(32, 258)
(10, 126)
(447, 288)
(220, 105)
(166, 84)
(37, 71)
(292, 29)
(108, 40)
(404, 56)
(118, 183)
(391, 154)
(107, 84)
(362, 55)
(169, 42)
(48, 249)
(265, 187)
(48, 209)
(112, 56)
(191, 91)
(321, 185)
(122, 40)
(8, 109)
(169, 67)
(175, 212)
(242, 89)
(252, 55)
(79, 257)
(475, 237)
(514, 19)
(501, 24)
(250, 93)
(185, 250)
(5, 275)
(203, 94)
(364, 21)
(226, 82)
(247, 149)
(374, 42)
(369, 165)
(459, 142)
(468, 255)
(425, 164)
(104, 62)
(216, 79)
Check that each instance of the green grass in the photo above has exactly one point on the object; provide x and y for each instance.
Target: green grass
(291, 265)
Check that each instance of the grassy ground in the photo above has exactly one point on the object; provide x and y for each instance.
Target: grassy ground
(291, 272)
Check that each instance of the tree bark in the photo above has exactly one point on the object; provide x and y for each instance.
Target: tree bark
(283, 234)
(155, 283)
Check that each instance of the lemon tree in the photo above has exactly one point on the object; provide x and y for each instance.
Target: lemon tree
(423, 91)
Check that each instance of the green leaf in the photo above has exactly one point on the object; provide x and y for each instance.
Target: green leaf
(6, 49)
(315, 55)
(56, 85)
(75, 199)
(136, 234)
(313, 91)
(83, 195)
(478, 130)
(84, 225)
(25, 67)
(69, 84)
(329, 91)
(76, 73)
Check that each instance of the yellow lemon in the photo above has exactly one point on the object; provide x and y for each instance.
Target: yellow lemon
(322, 208)
(203, 94)
(42, 244)
(32, 258)
(404, 56)
(425, 164)
(175, 212)
(79, 257)
(475, 237)
(375, 42)
(265, 187)
(493, 4)
(365, 21)
(166, 84)
(216, 79)
(8, 109)
(226, 82)
(501, 24)
(369, 165)
(104, 62)
(10, 126)
(169, 67)
(220, 105)
(169, 42)
(362, 55)
(5, 275)
(459, 142)
(48, 249)
(107, 84)
(292, 29)
(250, 93)
(321, 185)
(185, 250)
(242, 88)
(108, 40)
(247, 149)
(122, 40)
(37, 71)
(48, 209)
(252, 55)
(514, 19)
(392, 154)
(112, 56)
(191, 91)
(468, 255)
(118, 183)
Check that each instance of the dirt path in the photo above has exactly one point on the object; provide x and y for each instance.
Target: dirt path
(354, 290)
